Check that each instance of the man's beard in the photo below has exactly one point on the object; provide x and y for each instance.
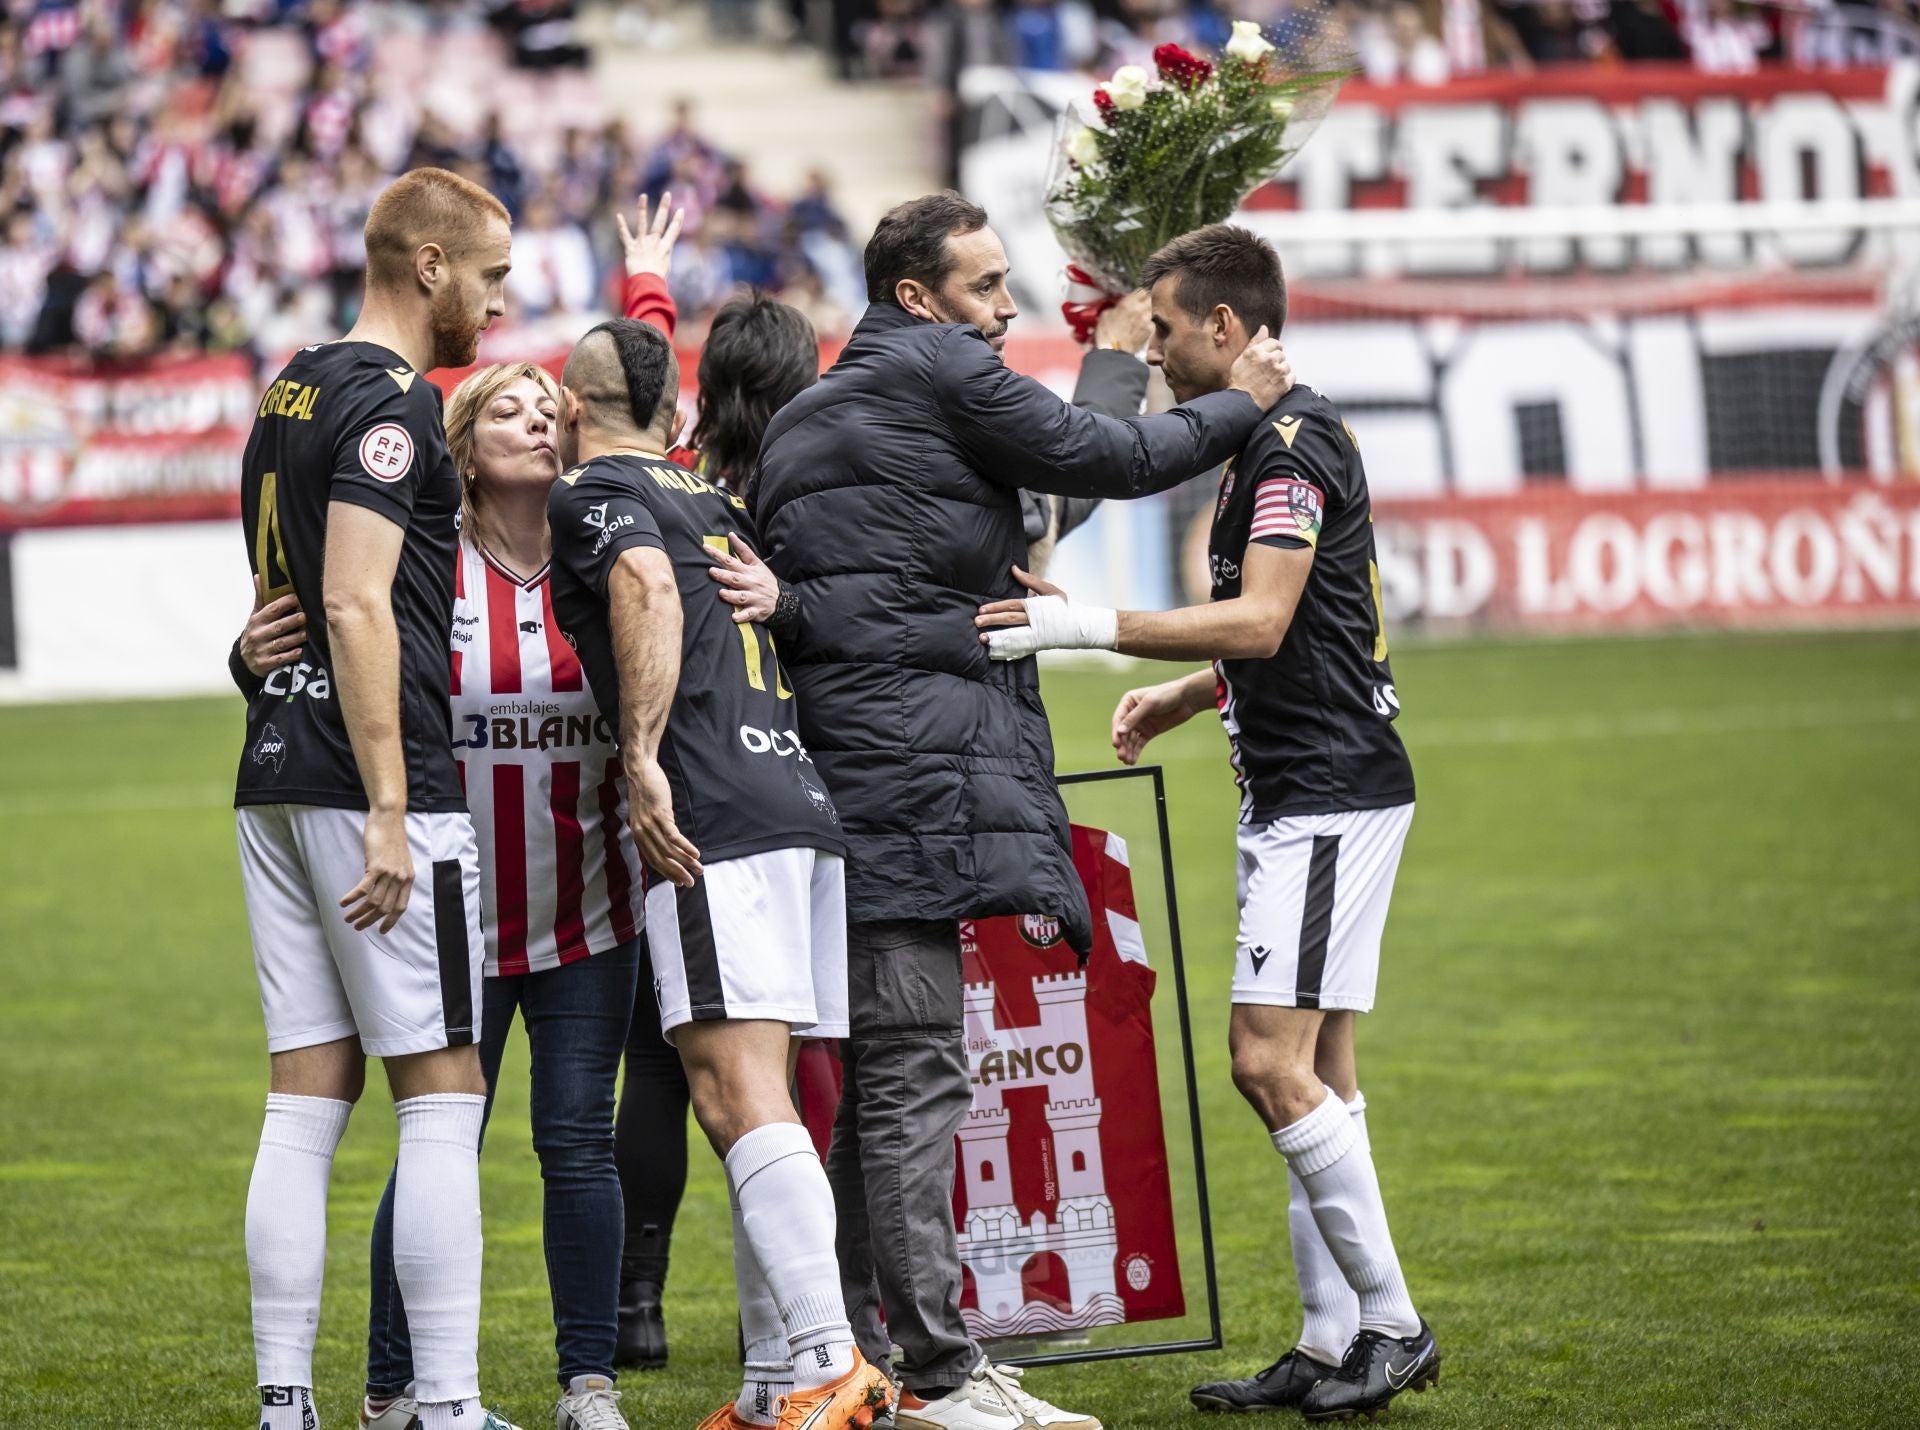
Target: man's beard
(456, 337)
(992, 333)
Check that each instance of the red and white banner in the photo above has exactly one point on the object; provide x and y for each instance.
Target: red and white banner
(1751, 553)
(1063, 1197)
(126, 442)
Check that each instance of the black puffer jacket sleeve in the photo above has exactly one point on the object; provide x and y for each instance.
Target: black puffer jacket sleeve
(1015, 432)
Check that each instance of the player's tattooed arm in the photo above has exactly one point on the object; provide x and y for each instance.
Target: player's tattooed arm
(362, 554)
(643, 610)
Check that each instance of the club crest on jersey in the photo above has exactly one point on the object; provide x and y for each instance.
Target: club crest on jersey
(1303, 505)
(386, 452)
(270, 748)
(1226, 488)
(1040, 930)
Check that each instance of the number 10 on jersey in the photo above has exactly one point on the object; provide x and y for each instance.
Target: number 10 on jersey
(750, 642)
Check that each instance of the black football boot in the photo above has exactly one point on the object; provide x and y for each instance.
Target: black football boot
(1376, 1368)
(1281, 1386)
(641, 1339)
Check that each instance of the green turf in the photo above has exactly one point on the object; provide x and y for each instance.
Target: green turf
(1645, 1081)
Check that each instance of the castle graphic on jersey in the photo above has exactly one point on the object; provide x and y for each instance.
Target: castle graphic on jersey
(996, 1246)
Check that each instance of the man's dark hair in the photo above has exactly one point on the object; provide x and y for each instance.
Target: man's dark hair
(1224, 264)
(911, 242)
(647, 361)
(760, 355)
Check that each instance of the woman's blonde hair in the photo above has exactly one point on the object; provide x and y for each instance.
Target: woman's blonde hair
(464, 407)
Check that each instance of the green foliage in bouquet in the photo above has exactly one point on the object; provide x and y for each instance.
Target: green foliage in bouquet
(1171, 154)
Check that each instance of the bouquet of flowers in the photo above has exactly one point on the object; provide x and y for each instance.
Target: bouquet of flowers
(1164, 154)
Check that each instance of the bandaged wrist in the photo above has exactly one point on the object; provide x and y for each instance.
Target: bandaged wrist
(1059, 624)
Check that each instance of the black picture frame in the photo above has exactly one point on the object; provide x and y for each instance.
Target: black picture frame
(1213, 1341)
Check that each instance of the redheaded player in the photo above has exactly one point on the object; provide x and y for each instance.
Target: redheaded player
(356, 851)
(1301, 679)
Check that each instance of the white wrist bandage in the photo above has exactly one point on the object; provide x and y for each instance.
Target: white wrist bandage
(1055, 623)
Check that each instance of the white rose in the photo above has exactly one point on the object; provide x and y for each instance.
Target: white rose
(1248, 43)
(1282, 109)
(1128, 87)
(1084, 148)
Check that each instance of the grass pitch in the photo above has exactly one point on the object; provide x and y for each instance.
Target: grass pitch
(1644, 1085)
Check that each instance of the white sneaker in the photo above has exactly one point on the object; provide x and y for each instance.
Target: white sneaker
(591, 1403)
(400, 1414)
(494, 1420)
(991, 1398)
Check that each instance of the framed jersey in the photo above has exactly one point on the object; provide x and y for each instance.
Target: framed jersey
(1081, 1191)
(1080, 1187)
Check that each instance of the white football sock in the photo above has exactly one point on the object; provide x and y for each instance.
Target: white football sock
(287, 1238)
(1327, 1153)
(786, 1209)
(287, 1407)
(768, 1368)
(1331, 1310)
(436, 1251)
(462, 1414)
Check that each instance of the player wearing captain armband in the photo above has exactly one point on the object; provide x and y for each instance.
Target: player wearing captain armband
(1300, 675)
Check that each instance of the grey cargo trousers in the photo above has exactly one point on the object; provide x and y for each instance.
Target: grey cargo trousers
(903, 1096)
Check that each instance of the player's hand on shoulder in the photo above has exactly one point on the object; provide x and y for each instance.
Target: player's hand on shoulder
(668, 852)
(648, 245)
(1262, 370)
(746, 582)
(275, 633)
(383, 891)
(1144, 713)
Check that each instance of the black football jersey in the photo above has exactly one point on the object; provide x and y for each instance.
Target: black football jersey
(1312, 725)
(350, 422)
(742, 781)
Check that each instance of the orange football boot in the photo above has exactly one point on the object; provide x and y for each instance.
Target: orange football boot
(849, 1403)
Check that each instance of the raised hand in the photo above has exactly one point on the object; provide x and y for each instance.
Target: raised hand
(648, 245)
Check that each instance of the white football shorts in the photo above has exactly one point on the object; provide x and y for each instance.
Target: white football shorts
(409, 991)
(1314, 891)
(762, 936)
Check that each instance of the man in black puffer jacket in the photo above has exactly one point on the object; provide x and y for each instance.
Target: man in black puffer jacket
(888, 497)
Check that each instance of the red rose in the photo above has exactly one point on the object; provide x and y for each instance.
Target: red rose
(1103, 101)
(1181, 66)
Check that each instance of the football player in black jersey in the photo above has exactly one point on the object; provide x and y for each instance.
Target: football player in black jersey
(746, 903)
(1301, 679)
(356, 853)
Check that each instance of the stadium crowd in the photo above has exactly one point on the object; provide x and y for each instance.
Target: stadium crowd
(1424, 42)
(155, 196)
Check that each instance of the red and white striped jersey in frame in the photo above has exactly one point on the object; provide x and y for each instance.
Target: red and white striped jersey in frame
(559, 876)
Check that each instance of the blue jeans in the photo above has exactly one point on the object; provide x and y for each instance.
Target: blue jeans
(576, 1019)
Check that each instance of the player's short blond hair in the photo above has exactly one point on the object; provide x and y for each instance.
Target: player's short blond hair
(472, 397)
(425, 206)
